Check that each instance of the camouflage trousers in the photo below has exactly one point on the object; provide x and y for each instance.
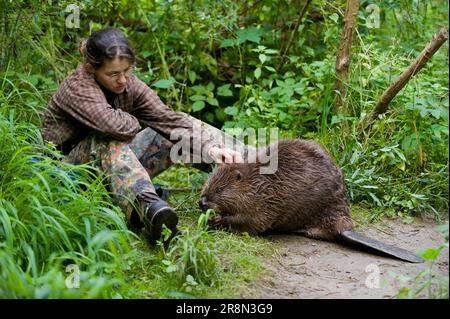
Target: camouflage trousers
(129, 166)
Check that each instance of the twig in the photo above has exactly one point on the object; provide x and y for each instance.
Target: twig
(294, 33)
(426, 54)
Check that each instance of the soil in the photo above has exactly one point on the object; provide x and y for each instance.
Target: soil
(313, 269)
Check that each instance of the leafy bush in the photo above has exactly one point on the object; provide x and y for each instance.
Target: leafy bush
(428, 283)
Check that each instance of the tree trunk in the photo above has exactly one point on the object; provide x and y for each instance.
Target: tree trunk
(343, 56)
(416, 66)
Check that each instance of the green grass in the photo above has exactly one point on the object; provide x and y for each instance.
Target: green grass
(53, 216)
(201, 263)
(48, 223)
(239, 264)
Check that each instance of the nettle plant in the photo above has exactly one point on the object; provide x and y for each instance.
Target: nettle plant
(425, 133)
(290, 101)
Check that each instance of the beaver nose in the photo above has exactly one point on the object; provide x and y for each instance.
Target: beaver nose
(202, 203)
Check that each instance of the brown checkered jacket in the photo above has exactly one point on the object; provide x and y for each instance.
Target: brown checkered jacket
(81, 106)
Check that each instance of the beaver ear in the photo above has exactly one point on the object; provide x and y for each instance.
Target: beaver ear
(238, 175)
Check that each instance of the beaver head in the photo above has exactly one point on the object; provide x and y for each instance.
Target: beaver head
(228, 189)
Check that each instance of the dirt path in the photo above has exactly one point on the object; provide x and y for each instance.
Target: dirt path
(306, 268)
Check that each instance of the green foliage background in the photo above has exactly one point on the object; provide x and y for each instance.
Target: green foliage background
(224, 62)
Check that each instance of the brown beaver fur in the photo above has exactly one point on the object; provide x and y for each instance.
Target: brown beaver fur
(306, 194)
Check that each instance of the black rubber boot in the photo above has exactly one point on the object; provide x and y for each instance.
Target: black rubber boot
(162, 192)
(156, 215)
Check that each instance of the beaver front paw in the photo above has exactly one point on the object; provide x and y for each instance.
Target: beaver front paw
(217, 221)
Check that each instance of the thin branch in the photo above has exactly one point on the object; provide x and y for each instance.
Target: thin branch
(426, 54)
(294, 33)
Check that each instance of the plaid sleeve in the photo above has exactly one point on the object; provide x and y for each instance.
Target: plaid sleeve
(149, 108)
(86, 103)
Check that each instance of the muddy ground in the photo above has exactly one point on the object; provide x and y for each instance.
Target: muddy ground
(306, 268)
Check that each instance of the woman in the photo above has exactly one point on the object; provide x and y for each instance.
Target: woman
(96, 116)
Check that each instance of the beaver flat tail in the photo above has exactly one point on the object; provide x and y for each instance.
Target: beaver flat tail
(399, 253)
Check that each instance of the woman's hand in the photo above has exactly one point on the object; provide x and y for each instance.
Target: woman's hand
(225, 155)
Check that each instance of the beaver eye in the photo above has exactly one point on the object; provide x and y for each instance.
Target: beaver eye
(219, 190)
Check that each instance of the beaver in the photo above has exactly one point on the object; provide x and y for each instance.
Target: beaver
(306, 194)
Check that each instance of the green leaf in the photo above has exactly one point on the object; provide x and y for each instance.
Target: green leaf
(197, 98)
(163, 84)
(212, 101)
(334, 17)
(251, 34)
(262, 58)
(192, 76)
(369, 186)
(270, 51)
(430, 254)
(436, 113)
(410, 143)
(200, 89)
(257, 73)
(210, 87)
(171, 268)
(224, 90)
(228, 43)
(375, 198)
(33, 79)
(400, 154)
(197, 106)
(231, 110)
(438, 129)
(190, 280)
(270, 68)
(337, 119)
(209, 117)
(403, 293)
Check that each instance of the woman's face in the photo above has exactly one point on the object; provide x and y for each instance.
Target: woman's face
(114, 74)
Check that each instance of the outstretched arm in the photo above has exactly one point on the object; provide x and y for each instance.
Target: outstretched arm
(149, 108)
